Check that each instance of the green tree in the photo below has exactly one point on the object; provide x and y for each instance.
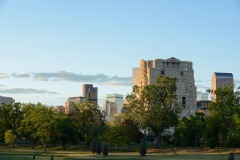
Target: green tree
(88, 120)
(190, 131)
(10, 137)
(234, 133)
(64, 129)
(38, 123)
(154, 107)
(10, 117)
(122, 132)
(27, 128)
(221, 117)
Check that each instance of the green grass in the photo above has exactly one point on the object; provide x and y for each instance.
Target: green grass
(77, 154)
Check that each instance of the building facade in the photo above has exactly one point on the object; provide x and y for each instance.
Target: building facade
(220, 80)
(135, 76)
(116, 98)
(110, 108)
(182, 70)
(91, 93)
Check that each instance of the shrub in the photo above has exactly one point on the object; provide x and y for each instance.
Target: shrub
(143, 148)
(94, 146)
(105, 150)
(99, 147)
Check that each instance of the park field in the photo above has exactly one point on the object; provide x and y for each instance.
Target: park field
(77, 154)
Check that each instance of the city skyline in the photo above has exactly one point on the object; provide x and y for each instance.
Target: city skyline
(49, 49)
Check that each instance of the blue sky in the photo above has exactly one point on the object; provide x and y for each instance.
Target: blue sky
(48, 49)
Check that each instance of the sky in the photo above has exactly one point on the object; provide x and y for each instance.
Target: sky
(49, 49)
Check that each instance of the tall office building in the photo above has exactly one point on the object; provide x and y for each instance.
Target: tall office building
(174, 68)
(110, 108)
(91, 93)
(220, 80)
(116, 98)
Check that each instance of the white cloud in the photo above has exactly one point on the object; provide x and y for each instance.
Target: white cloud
(21, 75)
(4, 75)
(68, 76)
(25, 91)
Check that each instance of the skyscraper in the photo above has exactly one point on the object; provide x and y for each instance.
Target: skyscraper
(173, 68)
(90, 93)
(220, 80)
(116, 98)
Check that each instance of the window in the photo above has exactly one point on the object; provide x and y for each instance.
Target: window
(181, 72)
(162, 72)
(184, 102)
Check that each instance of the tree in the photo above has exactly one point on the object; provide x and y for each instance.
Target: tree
(27, 128)
(38, 123)
(10, 137)
(114, 135)
(190, 131)
(221, 120)
(64, 129)
(88, 121)
(44, 122)
(234, 133)
(10, 117)
(122, 132)
(154, 107)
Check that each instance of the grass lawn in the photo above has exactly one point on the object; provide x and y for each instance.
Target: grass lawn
(77, 154)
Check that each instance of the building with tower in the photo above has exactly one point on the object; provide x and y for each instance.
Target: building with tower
(90, 94)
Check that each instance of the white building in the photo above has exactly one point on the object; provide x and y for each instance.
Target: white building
(116, 98)
(202, 96)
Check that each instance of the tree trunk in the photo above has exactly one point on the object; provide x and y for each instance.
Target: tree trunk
(33, 143)
(44, 146)
(64, 145)
(13, 145)
(88, 143)
(158, 139)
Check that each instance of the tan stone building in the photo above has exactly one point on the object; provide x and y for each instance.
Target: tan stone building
(220, 80)
(174, 68)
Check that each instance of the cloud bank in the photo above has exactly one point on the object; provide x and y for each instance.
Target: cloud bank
(73, 77)
(21, 75)
(4, 75)
(25, 91)
(68, 76)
